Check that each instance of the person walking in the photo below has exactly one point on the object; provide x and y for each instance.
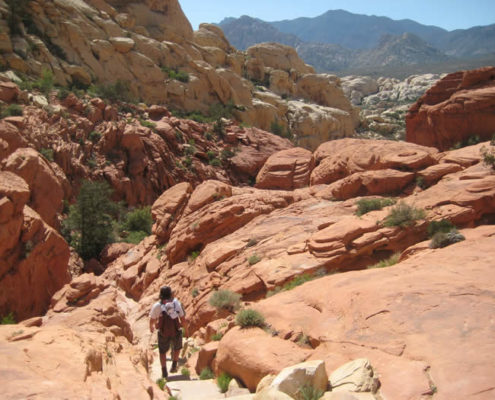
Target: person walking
(168, 316)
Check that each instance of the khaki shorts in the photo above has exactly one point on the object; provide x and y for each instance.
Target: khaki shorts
(165, 343)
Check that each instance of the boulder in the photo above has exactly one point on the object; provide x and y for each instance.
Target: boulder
(206, 356)
(279, 56)
(287, 170)
(459, 107)
(348, 396)
(310, 373)
(8, 91)
(250, 354)
(355, 376)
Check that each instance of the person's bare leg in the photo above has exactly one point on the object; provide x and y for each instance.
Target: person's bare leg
(175, 359)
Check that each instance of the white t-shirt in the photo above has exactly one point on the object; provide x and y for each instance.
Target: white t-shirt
(173, 308)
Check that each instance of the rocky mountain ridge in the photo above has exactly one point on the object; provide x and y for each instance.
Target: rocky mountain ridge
(325, 41)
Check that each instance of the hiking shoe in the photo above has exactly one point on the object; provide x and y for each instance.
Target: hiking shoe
(174, 367)
(164, 372)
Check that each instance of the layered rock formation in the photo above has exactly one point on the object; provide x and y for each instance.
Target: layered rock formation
(458, 108)
(150, 45)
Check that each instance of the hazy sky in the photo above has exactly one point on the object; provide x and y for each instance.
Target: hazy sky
(447, 14)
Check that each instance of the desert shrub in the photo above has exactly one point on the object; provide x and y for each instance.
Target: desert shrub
(276, 128)
(176, 74)
(225, 299)
(193, 255)
(488, 156)
(394, 259)
(13, 110)
(254, 259)
(367, 205)
(195, 292)
(421, 183)
(8, 319)
(219, 128)
(297, 281)
(223, 381)
(185, 372)
(227, 153)
(47, 153)
(215, 162)
(206, 373)
(137, 225)
(211, 154)
(439, 226)
(187, 162)
(135, 237)
(248, 318)
(147, 124)
(252, 242)
(444, 239)
(161, 383)
(94, 136)
(216, 336)
(190, 150)
(45, 83)
(308, 392)
(403, 215)
(118, 91)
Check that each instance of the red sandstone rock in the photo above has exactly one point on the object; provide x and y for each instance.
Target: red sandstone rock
(287, 170)
(250, 354)
(46, 188)
(458, 107)
(8, 91)
(206, 356)
(340, 158)
(10, 139)
(113, 251)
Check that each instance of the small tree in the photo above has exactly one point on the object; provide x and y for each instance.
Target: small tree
(89, 226)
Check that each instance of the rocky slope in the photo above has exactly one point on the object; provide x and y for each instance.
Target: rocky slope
(151, 46)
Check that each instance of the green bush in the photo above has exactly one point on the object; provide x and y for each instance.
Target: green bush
(195, 292)
(444, 239)
(488, 156)
(206, 373)
(439, 226)
(187, 162)
(161, 383)
(227, 153)
(297, 281)
(8, 319)
(252, 242)
(216, 337)
(94, 136)
(403, 215)
(89, 225)
(47, 153)
(147, 124)
(219, 128)
(13, 110)
(176, 74)
(118, 91)
(254, 259)
(225, 299)
(248, 318)
(194, 255)
(394, 259)
(223, 381)
(135, 237)
(45, 83)
(185, 372)
(308, 392)
(138, 220)
(366, 205)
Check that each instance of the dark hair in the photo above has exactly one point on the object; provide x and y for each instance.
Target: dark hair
(165, 293)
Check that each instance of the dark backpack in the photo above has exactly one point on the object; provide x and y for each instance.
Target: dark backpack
(168, 326)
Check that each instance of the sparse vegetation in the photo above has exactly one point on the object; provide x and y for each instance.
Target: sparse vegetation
(227, 153)
(118, 91)
(394, 259)
(367, 205)
(225, 299)
(94, 136)
(297, 281)
(444, 239)
(308, 392)
(439, 226)
(8, 319)
(278, 129)
(223, 381)
(248, 317)
(193, 255)
(195, 292)
(136, 225)
(488, 156)
(216, 337)
(215, 162)
(252, 242)
(254, 259)
(206, 373)
(147, 124)
(219, 128)
(176, 74)
(403, 215)
(47, 153)
(12, 110)
(185, 372)
(161, 383)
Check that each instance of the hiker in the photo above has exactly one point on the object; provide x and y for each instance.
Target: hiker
(167, 317)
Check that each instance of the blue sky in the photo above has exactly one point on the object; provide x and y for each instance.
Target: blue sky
(447, 14)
